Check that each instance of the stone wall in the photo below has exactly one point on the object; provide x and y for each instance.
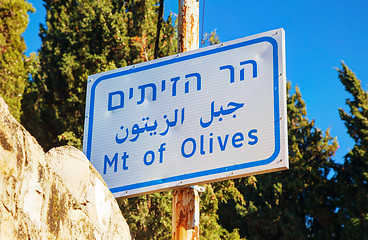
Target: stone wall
(57, 195)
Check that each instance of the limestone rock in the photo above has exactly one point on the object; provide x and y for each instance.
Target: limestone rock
(57, 195)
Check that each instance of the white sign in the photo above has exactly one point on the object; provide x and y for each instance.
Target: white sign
(202, 116)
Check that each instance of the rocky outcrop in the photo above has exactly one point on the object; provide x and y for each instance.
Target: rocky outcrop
(57, 195)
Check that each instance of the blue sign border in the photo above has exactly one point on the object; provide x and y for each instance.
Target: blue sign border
(270, 40)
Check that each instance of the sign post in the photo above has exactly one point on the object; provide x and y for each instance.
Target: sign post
(185, 205)
(205, 115)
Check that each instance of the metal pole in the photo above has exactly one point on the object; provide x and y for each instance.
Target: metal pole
(185, 214)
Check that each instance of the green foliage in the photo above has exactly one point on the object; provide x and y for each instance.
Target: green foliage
(84, 37)
(291, 204)
(352, 176)
(210, 39)
(13, 63)
(149, 216)
(214, 195)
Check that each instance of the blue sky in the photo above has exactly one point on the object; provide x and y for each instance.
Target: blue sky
(319, 34)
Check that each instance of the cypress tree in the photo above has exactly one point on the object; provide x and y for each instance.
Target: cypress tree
(352, 176)
(13, 62)
(81, 38)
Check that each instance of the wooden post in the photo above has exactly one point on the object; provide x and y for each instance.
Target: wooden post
(185, 214)
(188, 25)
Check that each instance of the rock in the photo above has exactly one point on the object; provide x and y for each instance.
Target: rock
(57, 195)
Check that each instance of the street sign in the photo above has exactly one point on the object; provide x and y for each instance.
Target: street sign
(202, 116)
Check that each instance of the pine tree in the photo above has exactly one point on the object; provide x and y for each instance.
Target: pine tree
(352, 176)
(213, 199)
(292, 204)
(84, 37)
(13, 62)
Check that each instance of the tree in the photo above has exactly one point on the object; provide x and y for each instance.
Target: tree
(13, 62)
(148, 216)
(292, 204)
(85, 37)
(352, 176)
